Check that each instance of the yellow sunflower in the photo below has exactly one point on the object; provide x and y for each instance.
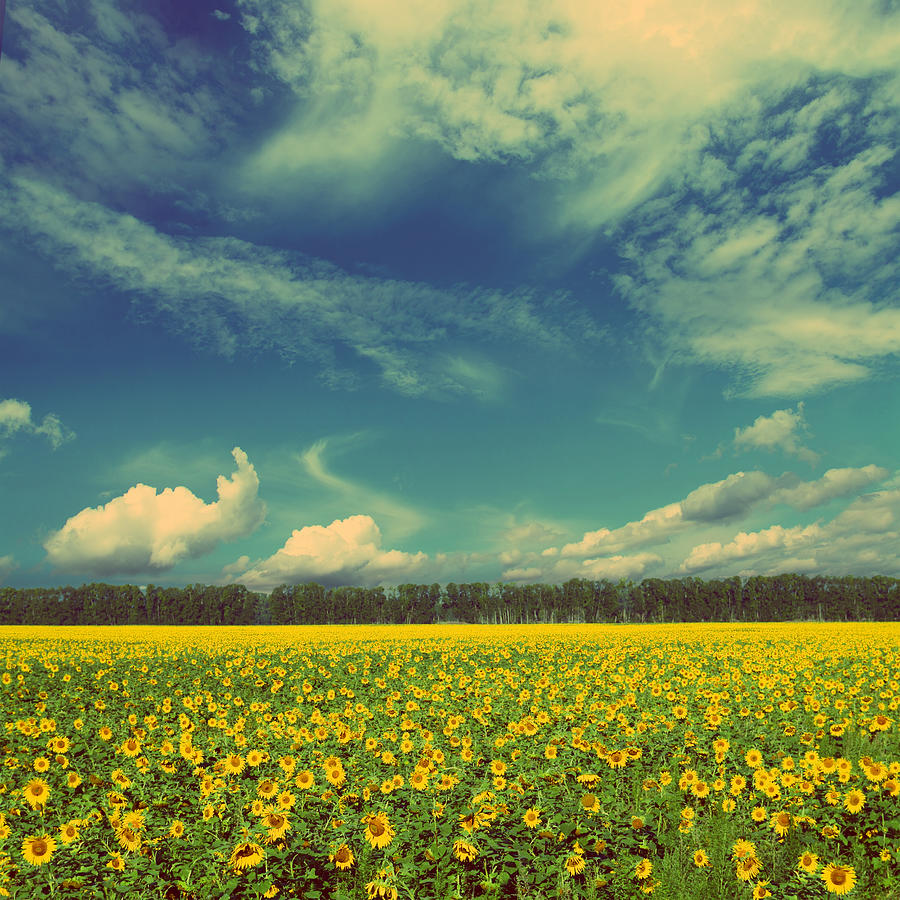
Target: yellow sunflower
(809, 862)
(701, 859)
(37, 791)
(644, 869)
(69, 831)
(246, 855)
(464, 851)
(342, 857)
(838, 879)
(379, 832)
(38, 849)
(532, 817)
(854, 800)
(747, 867)
(575, 864)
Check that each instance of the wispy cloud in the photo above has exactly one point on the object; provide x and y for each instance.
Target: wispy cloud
(402, 520)
(231, 294)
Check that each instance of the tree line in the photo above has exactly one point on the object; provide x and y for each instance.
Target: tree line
(758, 598)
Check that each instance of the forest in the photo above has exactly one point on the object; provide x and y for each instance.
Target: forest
(758, 598)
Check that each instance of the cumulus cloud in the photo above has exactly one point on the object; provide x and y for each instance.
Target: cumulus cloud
(15, 417)
(614, 567)
(729, 498)
(348, 551)
(779, 431)
(834, 483)
(148, 531)
(863, 539)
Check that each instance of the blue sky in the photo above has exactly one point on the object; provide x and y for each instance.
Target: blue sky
(366, 292)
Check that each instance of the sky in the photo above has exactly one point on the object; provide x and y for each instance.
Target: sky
(371, 292)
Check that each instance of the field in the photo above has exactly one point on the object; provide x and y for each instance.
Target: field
(439, 762)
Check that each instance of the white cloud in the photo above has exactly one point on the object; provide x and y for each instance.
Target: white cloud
(780, 430)
(15, 416)
(614, 567)
(348, 551)
(605, 98)
(231, 294)
(834, 483)
(729, 498)
(146, 531)
(7, 566)
(789, 284)
(862, 539)
(402, 520)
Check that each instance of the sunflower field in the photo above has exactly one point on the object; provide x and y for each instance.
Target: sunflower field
(448, 762)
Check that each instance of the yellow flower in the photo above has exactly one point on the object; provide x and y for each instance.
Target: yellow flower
(747, 867)
(38, 849)
(379, 832)
(575, 864)
(854, 801)
(116, 863)
(246, 855)
(780, 823)
(36, 792)
(342, 857)
(532, 817)
(305, 780)
(644, 869)
(69, 831)
(464, 851)
(838, 879)
(176, 829)
(809, 862)
(760, 891)
(700, 859)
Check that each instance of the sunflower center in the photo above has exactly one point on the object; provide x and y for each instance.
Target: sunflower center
(37, 790)
(245, 852)
(343, 855)
(39, 847)
(838, 876)
(376, 828)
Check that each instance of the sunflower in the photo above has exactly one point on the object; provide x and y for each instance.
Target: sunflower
(131, 747)
(747, 867)
(116, 863)
(838, 879)
(418, 780)
(342, 857)
(532, 817)
(464, 851)
(575, 864)
(780, 823)
(277, 825)
(128, 839)
(758, 814)
(379, 832)
(617, 759)
(743, 849)
(41, 764)
(700, 859)
(37, 791)
(644, 869)
(73, 779)
(753, 758)
(69, 831)
(700, 789)
(267, 788)
(809, 862)
(176, 829)
(305, 780)
(233, 764)
(760, 891)
(854, 800)
(590, 802)
(38, 849)
(246, 855)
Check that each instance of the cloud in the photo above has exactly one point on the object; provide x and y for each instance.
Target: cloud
(232, 296)
(346, 552)
(834, 483)
(862, 539)
(7, 566)
(604, 103)
(729, 498)
(780, 430)
(403, 520)
(774, 256)
(15, 416)
(148, 531)
(613, 568)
